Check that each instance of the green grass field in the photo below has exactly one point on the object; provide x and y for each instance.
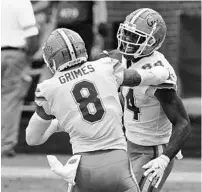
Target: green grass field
(30, 173)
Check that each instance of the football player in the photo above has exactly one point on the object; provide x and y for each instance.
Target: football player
(155, 119)
(83, 98)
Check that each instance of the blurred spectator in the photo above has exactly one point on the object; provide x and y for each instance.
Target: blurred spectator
(100, 29)
(89, 19)
(45, 14)
(18, 44)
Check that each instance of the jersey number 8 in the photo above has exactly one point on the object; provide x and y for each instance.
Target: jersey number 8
(88, 101)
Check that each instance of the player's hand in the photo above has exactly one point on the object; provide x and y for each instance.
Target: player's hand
(156, 168)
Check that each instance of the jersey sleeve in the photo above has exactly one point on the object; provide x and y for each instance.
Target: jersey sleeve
(169, 83)
(118, 69)
(40, 98)
(115, 60)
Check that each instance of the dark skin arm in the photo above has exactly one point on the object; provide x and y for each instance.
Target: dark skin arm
(131, 78)
(176, 113)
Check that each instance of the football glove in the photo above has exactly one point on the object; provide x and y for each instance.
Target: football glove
(155, 169)
(67, 172)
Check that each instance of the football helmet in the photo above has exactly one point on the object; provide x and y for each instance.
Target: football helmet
(63, 49)
(142, 32)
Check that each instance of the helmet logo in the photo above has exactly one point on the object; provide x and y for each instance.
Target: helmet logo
(48, 48)
(151, 20)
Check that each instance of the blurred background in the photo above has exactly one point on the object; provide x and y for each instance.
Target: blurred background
(97, 22)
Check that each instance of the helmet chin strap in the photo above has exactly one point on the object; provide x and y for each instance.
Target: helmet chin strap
(142, 47)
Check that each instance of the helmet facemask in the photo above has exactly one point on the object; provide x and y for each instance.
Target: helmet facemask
(132, 42)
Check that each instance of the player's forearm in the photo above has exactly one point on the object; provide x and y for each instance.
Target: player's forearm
(51, 129)
(36, 129)
(131, 78)
(179, 135)
(153, 76)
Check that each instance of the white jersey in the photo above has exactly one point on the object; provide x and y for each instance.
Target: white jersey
(144, 119)
(85, 101)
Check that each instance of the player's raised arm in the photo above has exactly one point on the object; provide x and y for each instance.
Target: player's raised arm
(135, 77)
